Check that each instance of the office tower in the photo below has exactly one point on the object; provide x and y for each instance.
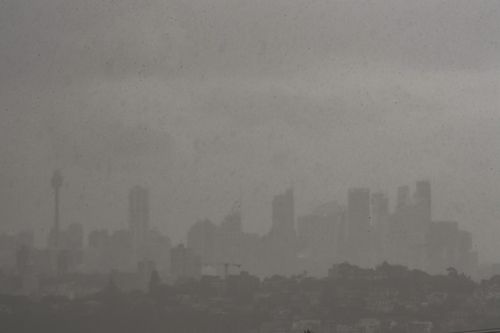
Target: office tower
(57, 181)
(139, 218)
(283, 217)
(201, 238)
(444, 240)
(403, 197)
(358, 215)
(158, 247)
(120, 251)
(342, 236)
(279, 246)
(379, 210)
(465, 253)
(318, 235)
(422, 200)
(380, 226)
(230, 240)
(410, 226)
(185, 264)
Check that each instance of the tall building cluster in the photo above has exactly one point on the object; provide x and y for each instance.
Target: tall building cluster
(133, 247)
(365, 231)
(224, 245)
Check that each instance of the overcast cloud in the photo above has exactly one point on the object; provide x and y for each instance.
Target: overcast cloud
(202, 100)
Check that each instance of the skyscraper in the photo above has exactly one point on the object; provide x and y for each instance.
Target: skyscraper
(380, 226)
(380, 210)
(201, 238)
(411, 225)
(283, 217)
(184, 263)
(56, 183)
(358, 216)
(138, 205)
(422, 199)
(280, 244)
(403, 197)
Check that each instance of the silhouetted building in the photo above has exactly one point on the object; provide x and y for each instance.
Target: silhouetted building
(423, 202)
(450, 247)
(358, 215)
(139, 218)
(70, 247)
(468, 259)
(158, 251)
(410, 227)
(232, 244)
(283, 217)
(109, 251)
(201, 238)
(229, 239)
(184, 263)
(403, 199)
(278, 252)
(443, 245)
(56, 183)
(319, 235)
(380, 227)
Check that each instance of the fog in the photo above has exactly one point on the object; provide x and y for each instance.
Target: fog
(204, 102)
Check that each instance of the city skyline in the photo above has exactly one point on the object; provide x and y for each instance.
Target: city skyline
(284, 166)
(365, 230)
(204, 100)
(392, 197)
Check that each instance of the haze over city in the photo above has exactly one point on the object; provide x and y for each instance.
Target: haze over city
(257, 166)
(206, 101)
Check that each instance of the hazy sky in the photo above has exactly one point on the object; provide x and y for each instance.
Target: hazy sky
(204, 100)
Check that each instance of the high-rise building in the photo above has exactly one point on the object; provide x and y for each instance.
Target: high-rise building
(380, 226)
(283, 217)
(403, 197)
(278, 253)
(379, 210)
(201, 238)
(158, 250)
(56, 182)
(318, 235)
(444, 240)
(184, 263)
(358, 215)
(450, 246)
(410, 225)
(229, 239)
(138, 205)
(422, 200)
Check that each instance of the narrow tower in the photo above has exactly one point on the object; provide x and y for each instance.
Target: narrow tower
(57, 181)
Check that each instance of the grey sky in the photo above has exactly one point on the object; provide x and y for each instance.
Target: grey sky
(203, 99)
